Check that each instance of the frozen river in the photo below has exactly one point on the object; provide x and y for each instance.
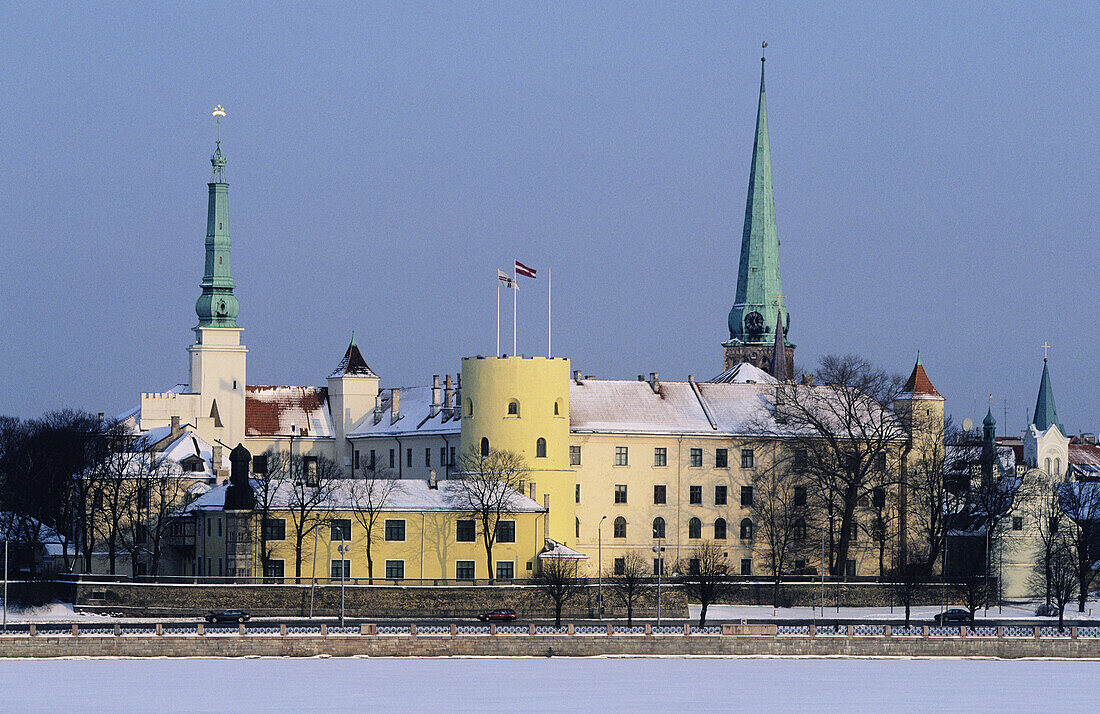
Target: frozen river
(815, 685)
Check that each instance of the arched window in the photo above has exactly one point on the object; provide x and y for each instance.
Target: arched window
(578, 528)
(620, 527)
(658, 527)
(720, 529)
(484, 446)
(513, 408)
(540, 448)
(469, 407)
(1057, 467)
(800, 529)
(695, 528)
(1048, 468)
(557, 408)
(746, 529)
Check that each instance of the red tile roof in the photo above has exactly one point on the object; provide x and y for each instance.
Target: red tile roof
(919, 385)
(271, 411)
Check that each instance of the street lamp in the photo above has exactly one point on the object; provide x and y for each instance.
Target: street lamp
(599, 570)
(343, 549)
(659, 550)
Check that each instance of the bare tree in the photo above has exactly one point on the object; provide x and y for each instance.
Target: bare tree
(907, 578)
(1046, 514)
(489, 491)
(630, 582)
(968, 572)
(1056, 577)
(303, 486)
(115, 475)
(559, 578)
(849, 435)
(706, 576)
(369, 498)
(265, 485)
(1080, 502)
(932, 497)
(159, 489)
(780, 511)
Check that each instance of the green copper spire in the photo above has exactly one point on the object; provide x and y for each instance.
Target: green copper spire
(1046, 414)
(757, 305)
(217, 306)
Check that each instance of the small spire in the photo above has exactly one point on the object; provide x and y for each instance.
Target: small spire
(218, 159)
(918, 359)
(353, 337)
(763, 46)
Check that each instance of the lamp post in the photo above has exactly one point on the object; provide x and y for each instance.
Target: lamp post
(599, 570)
(659, 550)
(5, 584)
(343, 571)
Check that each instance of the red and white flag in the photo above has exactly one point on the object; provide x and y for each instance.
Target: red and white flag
(523, 270)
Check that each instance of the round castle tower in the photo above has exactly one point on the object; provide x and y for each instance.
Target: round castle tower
(521, 404)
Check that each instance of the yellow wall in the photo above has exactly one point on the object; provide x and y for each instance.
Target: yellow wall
(537, 383)
(430, 549)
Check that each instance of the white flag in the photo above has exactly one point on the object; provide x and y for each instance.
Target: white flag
(507, 280)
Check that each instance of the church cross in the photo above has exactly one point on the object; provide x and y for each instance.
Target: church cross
(780, 298)
(1045, 347)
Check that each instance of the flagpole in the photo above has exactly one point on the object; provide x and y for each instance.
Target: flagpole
(498, 316)
(515, 293)
(549, 283)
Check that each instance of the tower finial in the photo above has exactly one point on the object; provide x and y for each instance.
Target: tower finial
(218, 159)
(763, 46)
(1045, 347)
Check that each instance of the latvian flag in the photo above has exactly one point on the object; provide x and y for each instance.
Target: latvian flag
(523, 270)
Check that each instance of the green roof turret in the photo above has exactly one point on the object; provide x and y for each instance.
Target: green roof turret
(1046, 414)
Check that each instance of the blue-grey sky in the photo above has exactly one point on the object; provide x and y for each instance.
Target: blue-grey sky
(935, 184)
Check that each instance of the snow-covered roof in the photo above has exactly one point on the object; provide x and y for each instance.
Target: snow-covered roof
(560, 551)
(745, 373)
(272, 411)
(1085, 458)
(407, 495)
(625, 406)
(414, 411)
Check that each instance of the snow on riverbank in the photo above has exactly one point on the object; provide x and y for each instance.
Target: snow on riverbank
(875, 614)
(54, 612)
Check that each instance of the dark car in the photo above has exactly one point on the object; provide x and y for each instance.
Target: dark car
(498, 615)
(953, 615)
(227, 616)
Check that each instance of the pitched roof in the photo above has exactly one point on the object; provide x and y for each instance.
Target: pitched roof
(414, 411)
(1046, 414)
(407, 495)
(272, 411)
(744, 373)
(919, 386)
(353, 364)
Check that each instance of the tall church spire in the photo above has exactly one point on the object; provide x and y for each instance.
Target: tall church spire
(757, 305)
(217, 306)
(1046, 414)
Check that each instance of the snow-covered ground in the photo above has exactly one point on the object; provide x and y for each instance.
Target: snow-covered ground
(876, 614)
(54, 612)
(539, 685)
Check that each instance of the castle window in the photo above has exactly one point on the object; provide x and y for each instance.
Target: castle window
(540, 448)
(659, 494)
(746, 496)
(695, 495)
(658, 527)
(557, 407)
(660, 456)
(469, 407)
(1057, 467)
(513, 408)
(1048, 468)
(484, 446)
(695, 528)
(721, 458)
(395, 529)
(747, 459)
(574, 456)
(720, 529)
(620, 493)
(620, 456)
(620, 527)
(800, 529)
(746, 529)
(799, 496)
(720, 495)
(696, 457)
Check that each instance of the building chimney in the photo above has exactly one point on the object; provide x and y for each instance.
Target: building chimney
(175, 426)
(100, 416)
(216, 459)
(433, 483)
(436, 402)
(395, 405)
(378, 407)
(577, 376)
(691, 379)
(641, 377)
(808, 380)
(448, 398)
(655, 382)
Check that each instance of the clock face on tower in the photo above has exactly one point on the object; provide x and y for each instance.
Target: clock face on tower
(754, 322)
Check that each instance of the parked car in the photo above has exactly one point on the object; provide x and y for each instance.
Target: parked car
(498, 616)
(952, 615)
(227, 616)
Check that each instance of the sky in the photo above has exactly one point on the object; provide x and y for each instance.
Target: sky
(934, 170)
